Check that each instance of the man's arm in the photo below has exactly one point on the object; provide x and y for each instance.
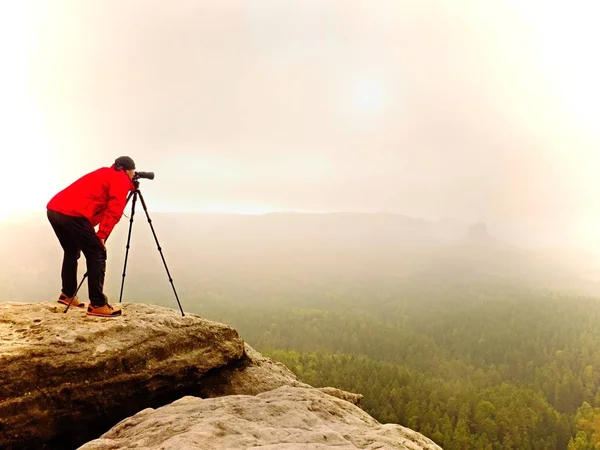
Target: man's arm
(118, 189)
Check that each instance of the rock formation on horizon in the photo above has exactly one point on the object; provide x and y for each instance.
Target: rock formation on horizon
(67, 379)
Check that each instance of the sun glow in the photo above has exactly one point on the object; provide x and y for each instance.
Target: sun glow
(363, 101)
(367, 97)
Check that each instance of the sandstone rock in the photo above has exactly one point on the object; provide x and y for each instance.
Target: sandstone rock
(285, 418)
(343, 395)
(66, 378)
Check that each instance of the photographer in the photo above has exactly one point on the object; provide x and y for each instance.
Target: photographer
(96, 199)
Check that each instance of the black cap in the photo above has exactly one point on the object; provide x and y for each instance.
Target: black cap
(124, 162)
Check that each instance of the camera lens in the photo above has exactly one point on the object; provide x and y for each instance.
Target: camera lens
(146, 175)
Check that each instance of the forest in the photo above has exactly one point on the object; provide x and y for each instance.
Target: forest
(472, 366)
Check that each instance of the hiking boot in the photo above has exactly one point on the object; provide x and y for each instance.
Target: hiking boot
(103, 311)
(65, 300)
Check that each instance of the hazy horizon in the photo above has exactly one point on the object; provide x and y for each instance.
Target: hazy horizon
(474, 111)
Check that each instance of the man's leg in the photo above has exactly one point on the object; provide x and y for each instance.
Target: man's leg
(95, 256)
(60, 224)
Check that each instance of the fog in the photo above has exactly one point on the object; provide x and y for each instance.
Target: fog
(471, 111)
(242, 258)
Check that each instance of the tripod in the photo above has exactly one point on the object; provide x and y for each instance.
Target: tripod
(135, 194)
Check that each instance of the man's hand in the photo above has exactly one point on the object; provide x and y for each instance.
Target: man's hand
(103, 244)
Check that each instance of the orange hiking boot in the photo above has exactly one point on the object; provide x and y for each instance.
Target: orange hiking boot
(103, 311)
(66, 300)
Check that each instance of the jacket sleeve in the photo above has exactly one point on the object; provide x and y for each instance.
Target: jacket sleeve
(118, 188)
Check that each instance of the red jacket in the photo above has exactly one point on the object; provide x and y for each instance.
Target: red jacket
(100, 196)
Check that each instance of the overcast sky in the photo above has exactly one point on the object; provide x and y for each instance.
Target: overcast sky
(473, 110)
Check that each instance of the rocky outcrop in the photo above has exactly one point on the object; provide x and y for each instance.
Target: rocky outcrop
(254, 374)
(68, 378)
(343, 395)
(285, 418)
(478, 230)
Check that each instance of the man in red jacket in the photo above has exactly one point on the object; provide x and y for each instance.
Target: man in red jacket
(96, 199)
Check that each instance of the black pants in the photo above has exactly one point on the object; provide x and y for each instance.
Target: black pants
(77, 235)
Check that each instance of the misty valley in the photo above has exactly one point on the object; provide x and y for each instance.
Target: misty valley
(473, 342)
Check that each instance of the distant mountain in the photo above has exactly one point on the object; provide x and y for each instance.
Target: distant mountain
(349, 230)
(247, 250)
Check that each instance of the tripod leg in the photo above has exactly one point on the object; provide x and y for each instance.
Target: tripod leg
(134, 194)
(82, 280)
(160, 251)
